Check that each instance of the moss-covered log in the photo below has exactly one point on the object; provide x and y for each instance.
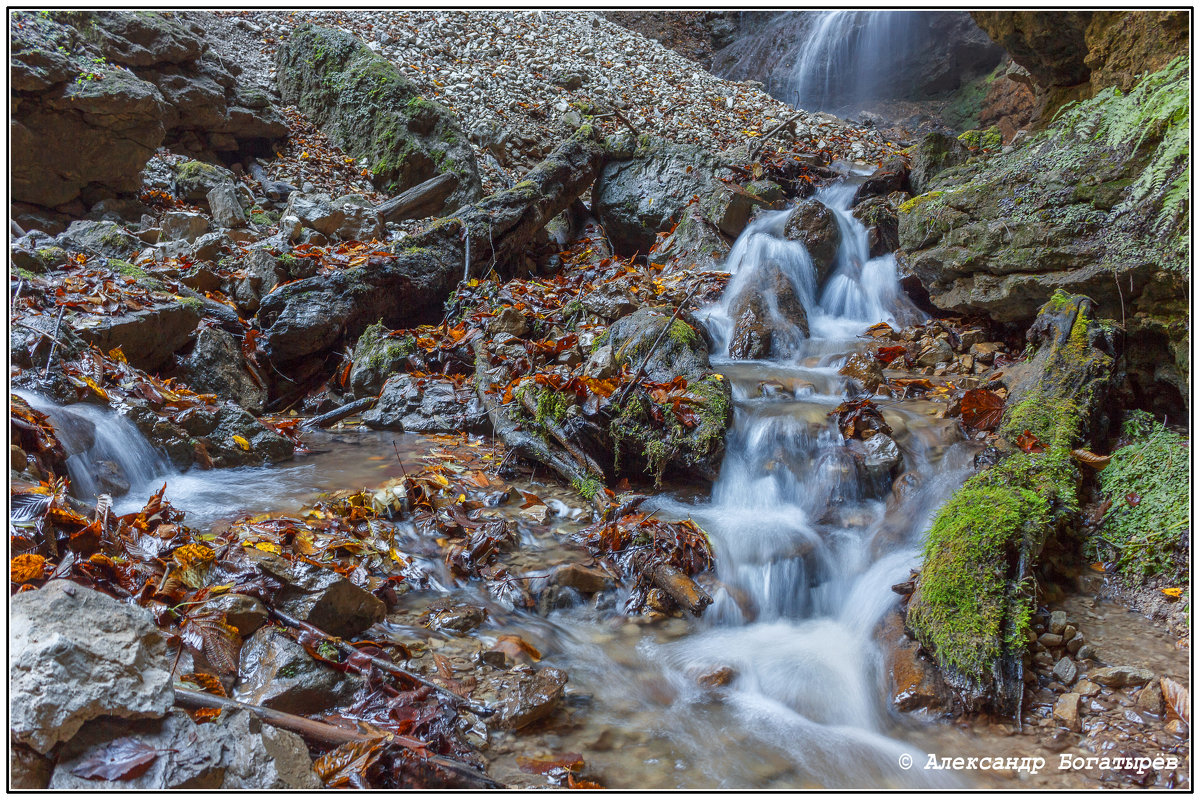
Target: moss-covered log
(311, 315)
(974, 598)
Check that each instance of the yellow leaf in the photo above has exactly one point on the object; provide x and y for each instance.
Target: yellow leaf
(440, 480)
(194, 562)
(1173, 592)
(461, 498)
(99, 391)
(25, 568)
(242, 442)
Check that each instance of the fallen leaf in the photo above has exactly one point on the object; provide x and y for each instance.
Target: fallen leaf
(242, 442)
(26, 568)
(1094, 461)
(982, 409)
(1179, 699)
(540, 766)
(1174, 592)
(120, 760)
(1030, 443)
(513, 646)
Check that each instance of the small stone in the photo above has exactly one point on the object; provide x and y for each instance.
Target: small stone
(721, 676)
(225, 207)
(1051, 640)
(1058, 621)
(1075, 643)
(1177, 728)
(1150, 699)
(183, 225)
(1069, 632)
(461, 618)
(1086, 688)
(1086, 652)
(1120, 677)
(1065, 670)
(588, 580)
(1066, 711)
(509, 321)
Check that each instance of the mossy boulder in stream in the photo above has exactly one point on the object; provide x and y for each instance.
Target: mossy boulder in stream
(974, 597)
(1096, 204)
(371, 111)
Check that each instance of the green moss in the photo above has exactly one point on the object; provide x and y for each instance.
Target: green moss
(552, 406)
(127, 269)
(1151, 537)
(967, 607)
(24, 274)
(715, 412)
(191, 303)
(987, 139)
(682, 333)
(588, 487)
(908, 206)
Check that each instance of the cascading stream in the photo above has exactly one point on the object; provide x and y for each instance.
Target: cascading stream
(807, 546)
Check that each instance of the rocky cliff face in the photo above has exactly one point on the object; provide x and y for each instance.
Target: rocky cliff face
(1096, 204)
(95, 92)
(1074, 54)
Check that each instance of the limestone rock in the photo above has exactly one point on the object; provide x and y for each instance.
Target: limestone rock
(816, 227)
(1066, 711)
(216, 366)
(1120, 677)
(76, 654)
(277, 673)
(321, 596)
(148, 337)
(424, 405)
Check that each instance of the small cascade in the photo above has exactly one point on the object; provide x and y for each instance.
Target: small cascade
(859, 292)
(106, 453)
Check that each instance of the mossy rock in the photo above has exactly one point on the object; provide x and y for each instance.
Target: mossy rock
(371, 111)
(974, 598)
(195, 179)
(377, 355)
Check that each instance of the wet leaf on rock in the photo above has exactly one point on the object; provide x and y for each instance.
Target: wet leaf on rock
(1179, 699)
(540, 766)
(1030, 443)
(982, 409)
(26, 568)
(347, 765)
(120, 760)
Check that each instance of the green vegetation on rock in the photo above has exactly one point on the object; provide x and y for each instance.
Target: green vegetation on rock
(1149, 484)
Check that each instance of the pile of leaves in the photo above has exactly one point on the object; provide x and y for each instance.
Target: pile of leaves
(632, 545)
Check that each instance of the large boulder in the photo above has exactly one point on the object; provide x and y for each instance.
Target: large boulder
(376, 357)
(216, 366)
(643, 444)
(371, 111)
(149, 338)
(425, 405)
(1090, 205)
(638, 197)
(320, 596)
(76, 654)
(769, 318)
(235, 751)
(813, 225)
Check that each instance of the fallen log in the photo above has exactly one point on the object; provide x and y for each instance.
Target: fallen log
(586, 462)
(528, 444)
(310, 315)
(423, 200)
(324, 733)
(340, 413)
(682, 589)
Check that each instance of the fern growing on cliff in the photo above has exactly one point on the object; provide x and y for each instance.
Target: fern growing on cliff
(1158, 111)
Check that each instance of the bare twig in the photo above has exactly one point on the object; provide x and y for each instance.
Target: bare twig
(662, 334)
(54, 341)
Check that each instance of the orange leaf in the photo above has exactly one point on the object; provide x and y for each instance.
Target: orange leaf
(540, 766)
(982, 409)
(26, 568)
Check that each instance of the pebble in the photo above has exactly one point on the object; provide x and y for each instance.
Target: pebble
(1058, 621)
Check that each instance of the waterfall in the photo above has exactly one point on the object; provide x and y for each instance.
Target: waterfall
(846, 61)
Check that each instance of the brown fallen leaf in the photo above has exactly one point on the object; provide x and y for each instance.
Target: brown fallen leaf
(540, 766)
(1179, 699)
(26, 568)
(1094, 461)
(514, 646)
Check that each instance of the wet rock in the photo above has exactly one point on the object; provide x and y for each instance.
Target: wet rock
(225, 207)
(865, 370)
(276, 672)
(376, 357)
(100, 239)
(610, 301)
(771, 319)
(424, 405)
(320, 596)
(76, 654)
(461, 618)
(216, 366)
(1066, 711)
(510, 321)
(194, 180)
(721, 676)
(524, 698)
(183, 225)
(1050, 640)
(1065, 670)
(264, 443)
(816, 227)
(1086, 652)
(235, 751)
(587, 580)
(1177, 728)
(363, 103)
(243, 612)
(883, 460)
(1150, 699)
(891, 177)
(602, 364)
(1086, 688)
(695, 243)
(913, 683)
(878, 215)
(935, 153)
(1058, 621)
(934, 352)
(1120, 677)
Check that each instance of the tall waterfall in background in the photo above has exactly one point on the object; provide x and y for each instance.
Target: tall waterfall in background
(847, 60)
